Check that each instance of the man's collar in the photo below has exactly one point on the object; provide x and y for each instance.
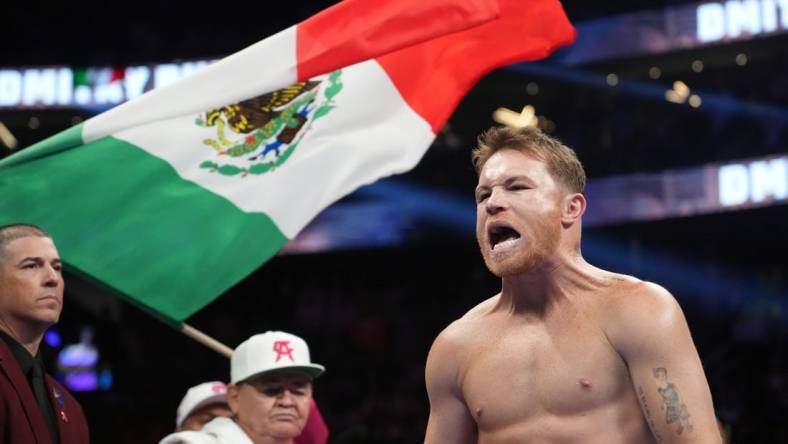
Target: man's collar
(22, 356)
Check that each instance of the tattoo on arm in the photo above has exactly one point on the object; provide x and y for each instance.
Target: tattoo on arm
(675, 410)
(647, 411)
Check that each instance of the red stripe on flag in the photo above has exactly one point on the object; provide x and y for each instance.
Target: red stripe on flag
(434, 76)
(356, 30)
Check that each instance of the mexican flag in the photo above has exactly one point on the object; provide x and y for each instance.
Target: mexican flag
(174, 197)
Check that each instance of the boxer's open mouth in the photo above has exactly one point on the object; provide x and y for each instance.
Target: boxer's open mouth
(501, 234)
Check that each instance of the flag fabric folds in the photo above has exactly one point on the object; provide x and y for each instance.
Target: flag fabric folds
(173, 198)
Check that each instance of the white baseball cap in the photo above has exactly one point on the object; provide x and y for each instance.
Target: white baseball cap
(271, 351)
(207, 393)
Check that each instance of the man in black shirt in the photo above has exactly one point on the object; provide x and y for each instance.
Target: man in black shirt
(33, 406)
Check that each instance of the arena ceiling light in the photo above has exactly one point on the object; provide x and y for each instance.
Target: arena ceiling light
(526, 117)
(679, 93)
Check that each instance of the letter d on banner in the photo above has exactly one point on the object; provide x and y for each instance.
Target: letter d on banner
(734, 185)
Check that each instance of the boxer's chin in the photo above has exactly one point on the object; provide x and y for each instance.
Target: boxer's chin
(517, 256)
(510, 265)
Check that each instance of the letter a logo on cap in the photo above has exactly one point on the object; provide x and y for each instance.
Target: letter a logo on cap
(282, 348)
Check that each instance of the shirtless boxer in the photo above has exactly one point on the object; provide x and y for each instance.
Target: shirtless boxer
(566, 352)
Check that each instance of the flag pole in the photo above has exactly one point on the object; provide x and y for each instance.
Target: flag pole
(205, 340)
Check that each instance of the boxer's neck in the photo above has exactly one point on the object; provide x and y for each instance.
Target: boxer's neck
(548, 284)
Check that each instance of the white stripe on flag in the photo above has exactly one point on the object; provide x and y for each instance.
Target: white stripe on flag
(370, 133)
(265, 66)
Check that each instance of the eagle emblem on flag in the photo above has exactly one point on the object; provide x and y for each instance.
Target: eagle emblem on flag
(262, 132)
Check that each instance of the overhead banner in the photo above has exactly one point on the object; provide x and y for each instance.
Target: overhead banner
(688, 192)
(688, 26)
(676, 28)
(94, 89)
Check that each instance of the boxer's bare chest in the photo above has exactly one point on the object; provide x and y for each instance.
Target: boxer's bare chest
(514, 371)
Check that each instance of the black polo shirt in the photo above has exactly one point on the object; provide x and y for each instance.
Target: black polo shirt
(30, 367)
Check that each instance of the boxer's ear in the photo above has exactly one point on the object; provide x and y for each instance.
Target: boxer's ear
(572, 208)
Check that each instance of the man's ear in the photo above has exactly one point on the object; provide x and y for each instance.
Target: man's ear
(573, 207)
(232, 398)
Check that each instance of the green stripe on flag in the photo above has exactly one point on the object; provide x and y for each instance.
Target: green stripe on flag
(127, 220)
(64, 140)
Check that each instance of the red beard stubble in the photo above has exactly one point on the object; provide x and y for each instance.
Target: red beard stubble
(535, 246)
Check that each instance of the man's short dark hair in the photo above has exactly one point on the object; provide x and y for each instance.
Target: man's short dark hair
(12, 232)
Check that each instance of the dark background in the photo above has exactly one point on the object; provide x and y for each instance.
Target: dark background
(370, 315)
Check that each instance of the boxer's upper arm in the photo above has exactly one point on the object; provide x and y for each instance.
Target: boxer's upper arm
(449, 419)
(648, 329)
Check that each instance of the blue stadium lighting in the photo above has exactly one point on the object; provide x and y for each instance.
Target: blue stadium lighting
(712, 102)
(78, 355)
(81, 381)
(452, 211)
(105, 379)
(53, 339)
